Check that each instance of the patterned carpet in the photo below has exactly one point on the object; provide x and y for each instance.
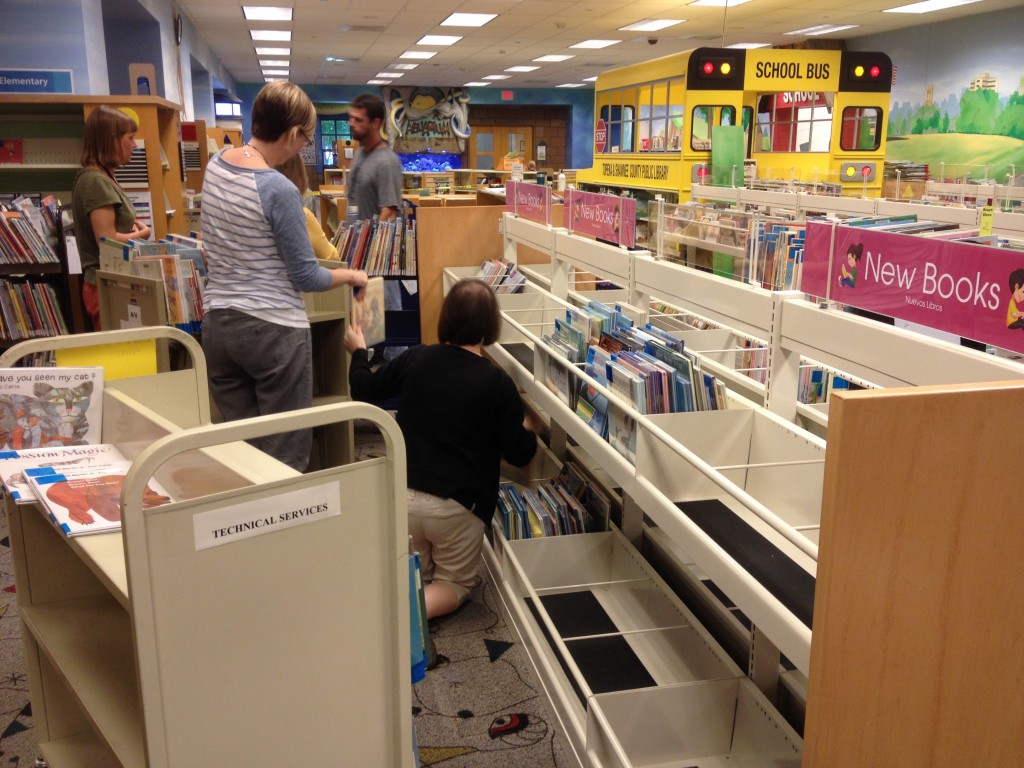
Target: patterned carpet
(479, 708)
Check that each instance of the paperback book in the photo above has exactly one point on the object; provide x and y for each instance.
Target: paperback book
(14, 464)
(50, 407)
(87, 500)
(367, 308)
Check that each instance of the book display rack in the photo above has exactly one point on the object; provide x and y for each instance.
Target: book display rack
(127, 633)
(735, 506)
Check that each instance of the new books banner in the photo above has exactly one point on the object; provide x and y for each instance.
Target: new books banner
(608, 217)
(531, 201)
(966, 289)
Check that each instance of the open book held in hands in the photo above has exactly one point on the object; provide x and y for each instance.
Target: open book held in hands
(367, 310)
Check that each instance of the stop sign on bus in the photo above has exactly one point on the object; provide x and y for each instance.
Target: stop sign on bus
(600, 136)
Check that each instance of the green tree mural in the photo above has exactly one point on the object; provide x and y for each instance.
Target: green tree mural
(1011, 121)
(978, 112)
(926, 120)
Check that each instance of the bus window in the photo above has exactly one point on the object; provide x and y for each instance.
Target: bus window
(795, 121)
(676, 114)
(619, 123)
(701, 122)
(860, 129)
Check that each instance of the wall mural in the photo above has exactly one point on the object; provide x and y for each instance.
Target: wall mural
(425, 119)
(958, 96)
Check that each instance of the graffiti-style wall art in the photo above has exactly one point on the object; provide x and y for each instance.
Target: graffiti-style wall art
(958, 99)
(425, 119)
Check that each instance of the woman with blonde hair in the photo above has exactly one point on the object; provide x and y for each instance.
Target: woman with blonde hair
(295, 171)
(256, 333)
(100, 206)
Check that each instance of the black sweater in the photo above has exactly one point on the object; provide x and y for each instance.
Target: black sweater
(460, 415)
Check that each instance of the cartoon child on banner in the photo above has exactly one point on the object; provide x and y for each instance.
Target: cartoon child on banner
(1014, 313)
(848, 277)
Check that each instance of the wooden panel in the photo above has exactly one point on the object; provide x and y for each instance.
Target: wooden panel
(919, 616)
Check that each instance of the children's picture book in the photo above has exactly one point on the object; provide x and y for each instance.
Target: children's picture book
(88, 500)
(367, 310)
(50, 407)
(13, 464)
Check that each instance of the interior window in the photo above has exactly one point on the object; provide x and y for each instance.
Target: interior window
(797, 121)
(860, 129)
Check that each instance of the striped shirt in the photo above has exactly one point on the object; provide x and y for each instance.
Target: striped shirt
(257, 248)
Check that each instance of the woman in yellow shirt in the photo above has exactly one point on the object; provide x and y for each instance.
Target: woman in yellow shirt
(295, 171)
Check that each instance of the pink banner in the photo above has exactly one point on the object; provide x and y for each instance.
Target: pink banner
(531, 201)
(608, 217)
(974, 291)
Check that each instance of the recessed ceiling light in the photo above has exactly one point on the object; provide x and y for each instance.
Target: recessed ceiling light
(928, 6)
(334, 59)
(274, 62)
(821, 29)
(497, 77)
(439, 40)
(590, 79)
(404, 66)
(748, 45)
(418, 55)
(273, 51)
(595, 43)
(556, 57)
(571, 85)
(378, 82)
(266, 13)
(270, 34)
(468, 19)
(521, 69)
(279, 72)
(651, 25)
(475, 85)
(720, 3)
(390, 74)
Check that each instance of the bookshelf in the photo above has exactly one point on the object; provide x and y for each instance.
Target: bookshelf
(783, 483)
(125, 631)
(51, 130)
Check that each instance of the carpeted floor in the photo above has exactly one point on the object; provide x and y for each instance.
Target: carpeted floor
(479, 708)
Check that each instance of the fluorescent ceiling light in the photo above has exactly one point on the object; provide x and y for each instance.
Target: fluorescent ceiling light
(594, 44)
(404, 66)
(928, 6)
(279, 72)
(590, 79)
(390, 74)
(334, 59)
(266, 13)
(556, 57)
(821, 29)
(571, 85)
(270, 34)
(273, 51)
(521, 69)
(475, 85)
(439, 40)
(378, 82)
(651, 25)
(720, 3)
(274, 62)
(418, 55)
(468, 19)
(269, 79)
(497, 77)
(748, 45)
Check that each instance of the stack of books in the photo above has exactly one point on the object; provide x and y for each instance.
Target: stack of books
(380, 248)
(27, 234)
(502, 276)
(566, 505)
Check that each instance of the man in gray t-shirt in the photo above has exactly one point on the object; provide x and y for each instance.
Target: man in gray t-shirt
(375, 180)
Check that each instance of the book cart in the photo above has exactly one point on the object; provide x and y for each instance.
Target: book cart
(144, 649)
(754, 554)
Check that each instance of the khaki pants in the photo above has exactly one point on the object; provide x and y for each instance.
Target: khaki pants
(449, 539)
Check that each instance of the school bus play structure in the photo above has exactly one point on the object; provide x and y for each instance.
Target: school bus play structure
(810, 116)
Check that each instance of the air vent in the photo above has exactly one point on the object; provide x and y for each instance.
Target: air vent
(368, 28)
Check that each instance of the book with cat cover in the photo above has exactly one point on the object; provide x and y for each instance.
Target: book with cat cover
(50, 407)
(367, 309)
(88, 500)
(13, 464)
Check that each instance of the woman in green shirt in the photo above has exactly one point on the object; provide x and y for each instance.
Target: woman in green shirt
(101, 207)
